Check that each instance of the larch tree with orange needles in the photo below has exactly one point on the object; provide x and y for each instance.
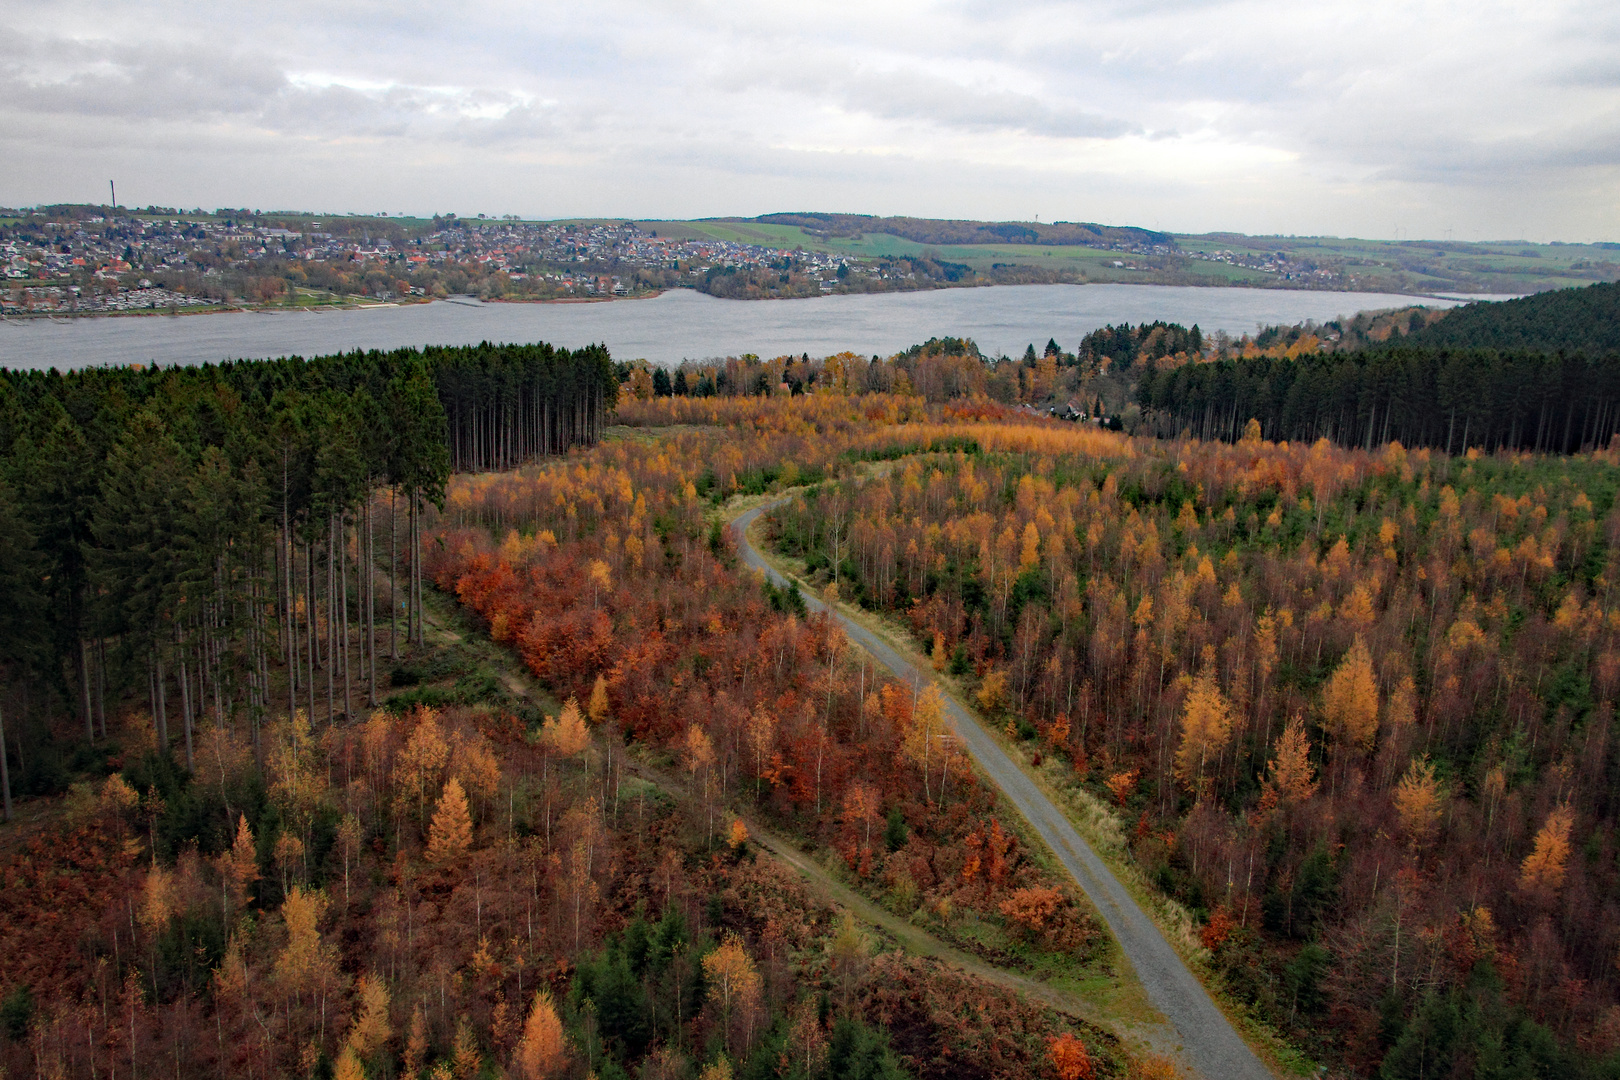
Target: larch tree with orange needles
(1206, 727)
(542, 1054)
(1350, 699)
(370, 1030)
(1290, 777)
(597, 710)
(1543, 870)
(1418, 802)
(239, 867)
(566, 735)
(450, 835)
(416, 768)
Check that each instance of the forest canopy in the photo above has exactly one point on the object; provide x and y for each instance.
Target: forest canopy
(1584, 320)
(412, 713)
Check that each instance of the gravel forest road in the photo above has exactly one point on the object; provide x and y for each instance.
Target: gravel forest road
(1209, 1043)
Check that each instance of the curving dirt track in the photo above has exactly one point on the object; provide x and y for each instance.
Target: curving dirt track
(1209, 1043)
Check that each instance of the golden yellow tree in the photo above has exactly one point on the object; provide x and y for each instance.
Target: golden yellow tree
(1350, 699)
(601, 579)
(734, 987)
(1206, 726)
(992, 693)
(1357, 610)
(473, 762)
(1418, 802)
(543, 1051)
(597, 710)
(465, 1061)
(450, 835)
(927, 725)
(348, 1066)
(158, 899)
(1029, 555)
(1291, 778)
(370, 1029)
(307, 963)
(1544, 868)
(239, 867)
(425, 753)
(566, 735)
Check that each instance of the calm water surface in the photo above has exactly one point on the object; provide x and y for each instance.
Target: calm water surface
(682, 324)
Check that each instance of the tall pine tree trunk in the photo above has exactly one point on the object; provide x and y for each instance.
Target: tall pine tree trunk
(185, 708)
(5, 770)
(416, 562)
(393, 574)
(288, 628)
(309, 624)
(331, 621)
(101, 685)
(162, 705)
(369, 579)
(343, 568)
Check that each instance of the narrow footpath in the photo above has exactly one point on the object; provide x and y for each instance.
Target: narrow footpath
(1209, 1043)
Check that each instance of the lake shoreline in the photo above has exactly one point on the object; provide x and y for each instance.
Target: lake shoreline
(467, 300)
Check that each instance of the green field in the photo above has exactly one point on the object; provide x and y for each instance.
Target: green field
(1095, 263)
(1439, 266)
(1407, 266)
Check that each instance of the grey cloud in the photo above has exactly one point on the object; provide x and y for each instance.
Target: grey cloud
(951, 105)
(135, 83)
(180, 85)
(924, 97)
(1254, 114)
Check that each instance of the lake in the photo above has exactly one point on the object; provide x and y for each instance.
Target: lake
(683, 324)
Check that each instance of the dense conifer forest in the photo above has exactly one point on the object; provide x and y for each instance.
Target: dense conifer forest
(1585, 320)
(1540, 373)
(1448, 399)
(184, 529)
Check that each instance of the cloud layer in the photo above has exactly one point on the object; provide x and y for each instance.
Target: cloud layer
(1425, 119)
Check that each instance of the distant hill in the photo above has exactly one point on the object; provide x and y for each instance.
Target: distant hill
(942, 231)
(1568, 320)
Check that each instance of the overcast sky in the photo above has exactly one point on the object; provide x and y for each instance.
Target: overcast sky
(1474, 119)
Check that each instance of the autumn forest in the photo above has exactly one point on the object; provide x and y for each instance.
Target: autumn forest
(416, 714)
